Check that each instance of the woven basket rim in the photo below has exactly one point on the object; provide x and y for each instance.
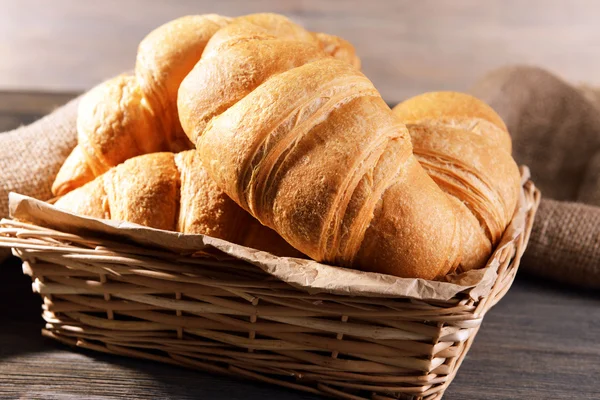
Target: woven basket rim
(476, 283)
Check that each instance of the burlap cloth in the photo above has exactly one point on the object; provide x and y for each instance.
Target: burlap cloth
(555, 128)
(31, 156)
(556, 132)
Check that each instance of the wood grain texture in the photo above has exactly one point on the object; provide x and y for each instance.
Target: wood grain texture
(407, 47)
(539, 342)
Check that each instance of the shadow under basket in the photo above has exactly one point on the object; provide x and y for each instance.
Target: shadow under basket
(227, 316)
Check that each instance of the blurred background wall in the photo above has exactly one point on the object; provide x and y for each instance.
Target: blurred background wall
(407, 46)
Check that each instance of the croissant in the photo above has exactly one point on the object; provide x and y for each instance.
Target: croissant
(173, 192)
(136, 114)
(466, 148)
(308, 147)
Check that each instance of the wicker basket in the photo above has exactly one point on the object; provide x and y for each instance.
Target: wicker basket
(230, 317)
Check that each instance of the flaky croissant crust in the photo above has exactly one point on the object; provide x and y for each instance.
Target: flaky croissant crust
(137, 114)
(172, 192)
(305, 143)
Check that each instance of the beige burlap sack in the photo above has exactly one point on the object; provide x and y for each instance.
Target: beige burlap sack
(565, 243)
(30, 156)
(556, 132)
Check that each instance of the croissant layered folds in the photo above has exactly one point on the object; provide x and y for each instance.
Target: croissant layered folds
(305, 143)
(287, 127)
(172, 192)
(136, 114)
(465, 147)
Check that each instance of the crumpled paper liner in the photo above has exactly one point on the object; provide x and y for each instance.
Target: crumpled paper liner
(307, 274)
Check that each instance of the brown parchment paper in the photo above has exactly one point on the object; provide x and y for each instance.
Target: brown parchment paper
(308, 274)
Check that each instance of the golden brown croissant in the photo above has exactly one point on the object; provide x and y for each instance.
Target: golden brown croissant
(465, 147)
(137, 114)
(173, 192)
(310, 149)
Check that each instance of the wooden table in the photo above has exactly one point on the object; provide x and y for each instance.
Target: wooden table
(539, 342)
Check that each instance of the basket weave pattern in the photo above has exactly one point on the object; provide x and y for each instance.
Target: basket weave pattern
(226, 316)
